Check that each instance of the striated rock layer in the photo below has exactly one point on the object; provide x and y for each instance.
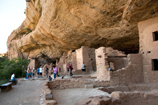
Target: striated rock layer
(52, 27)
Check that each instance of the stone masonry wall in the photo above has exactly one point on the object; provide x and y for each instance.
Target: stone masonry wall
(119, 62)
(89, 58)
(76, 83)
(79, 58)
(149, 48)
(102, 64)
(107, 57)
(131, 74)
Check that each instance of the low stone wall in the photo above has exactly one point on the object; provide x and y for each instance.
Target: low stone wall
(142, 94)
(76, 83)
(135, 98)
(47, 94)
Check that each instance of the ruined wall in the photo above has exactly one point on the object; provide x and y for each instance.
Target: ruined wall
(108, 57)
(75, 83)
(79, 58)
(102, 64)
(119, 62)
(89, 58)
(131, 74)
(62, 64)
(149, 48)
(72, 58)
(135, 98)
(131, 71)
(34, 62)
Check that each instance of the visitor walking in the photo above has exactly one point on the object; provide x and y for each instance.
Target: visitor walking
(55, 69)
(70, 68)
(84, 68)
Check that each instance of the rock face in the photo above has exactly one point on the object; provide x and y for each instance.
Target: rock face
(52, 27)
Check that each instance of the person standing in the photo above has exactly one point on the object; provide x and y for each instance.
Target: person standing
(84, 68)
(55, 69)
(40, 71)
(28, 72)
(70, 68)
(33, 72)
(46, 71)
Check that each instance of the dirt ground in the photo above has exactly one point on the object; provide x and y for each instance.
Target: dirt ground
(72, 96)
(28, 92)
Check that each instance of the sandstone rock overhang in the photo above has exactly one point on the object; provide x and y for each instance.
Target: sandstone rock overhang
(54, 27)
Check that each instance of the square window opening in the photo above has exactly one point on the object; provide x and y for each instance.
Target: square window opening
(155, 36)
(155, 64)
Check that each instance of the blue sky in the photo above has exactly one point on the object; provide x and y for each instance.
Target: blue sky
(11, 17)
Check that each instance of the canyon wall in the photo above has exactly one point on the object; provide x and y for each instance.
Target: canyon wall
(52, 27)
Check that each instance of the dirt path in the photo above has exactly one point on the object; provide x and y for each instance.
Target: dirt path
(27, 93)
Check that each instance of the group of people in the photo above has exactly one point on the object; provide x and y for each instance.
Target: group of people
(70, 68)
(30, 73)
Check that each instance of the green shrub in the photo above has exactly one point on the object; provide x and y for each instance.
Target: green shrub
(28, 30)
(7, 68)
(40, 10)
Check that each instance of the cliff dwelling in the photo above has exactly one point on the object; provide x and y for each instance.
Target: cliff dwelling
(117, 41)
(131, 78)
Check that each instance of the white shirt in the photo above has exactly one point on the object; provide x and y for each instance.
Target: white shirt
(40, 69)
(83, 66)
(12, 77)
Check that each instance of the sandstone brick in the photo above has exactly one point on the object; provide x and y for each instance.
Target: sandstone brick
(50, 102)
(89, 86)
(118, 95)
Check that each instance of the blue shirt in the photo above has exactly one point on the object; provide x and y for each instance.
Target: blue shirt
(50, 78)
(37, 70)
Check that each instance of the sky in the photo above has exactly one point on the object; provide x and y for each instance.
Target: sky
(11, 17)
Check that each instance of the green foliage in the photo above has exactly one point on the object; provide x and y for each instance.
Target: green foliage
(40, 10)
(7, 68)
(28, 30)
(25, 12)
(28, 0)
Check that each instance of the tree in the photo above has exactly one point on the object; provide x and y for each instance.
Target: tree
(7, 68)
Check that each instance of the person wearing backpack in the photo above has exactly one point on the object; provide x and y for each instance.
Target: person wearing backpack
(70, 68)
